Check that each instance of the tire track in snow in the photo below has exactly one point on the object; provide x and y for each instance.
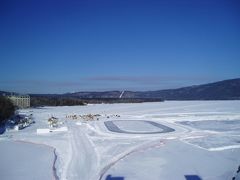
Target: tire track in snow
(142, 147)
(83, 164)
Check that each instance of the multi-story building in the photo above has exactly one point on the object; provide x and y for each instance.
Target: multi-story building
(21, 101)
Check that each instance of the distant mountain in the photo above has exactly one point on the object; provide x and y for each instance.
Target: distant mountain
(105, 94)
(5, 93)
(222, 90)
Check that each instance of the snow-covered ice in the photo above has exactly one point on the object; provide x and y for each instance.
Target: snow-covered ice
(22, 160)
(205, 142)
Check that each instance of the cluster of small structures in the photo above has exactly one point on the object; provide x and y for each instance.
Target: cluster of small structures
(90, 117)
(53, 122)
(54, 126)
(113, 115)
(19, 122)
(86, 117)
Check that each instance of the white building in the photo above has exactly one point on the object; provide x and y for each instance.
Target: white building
(21, 101)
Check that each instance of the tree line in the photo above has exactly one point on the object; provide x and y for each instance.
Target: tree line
(7, 109)
(55, 101)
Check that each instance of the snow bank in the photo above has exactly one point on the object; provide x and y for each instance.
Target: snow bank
(43, 131)
(61, 129)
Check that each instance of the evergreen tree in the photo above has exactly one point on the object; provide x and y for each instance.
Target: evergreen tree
(7, 109)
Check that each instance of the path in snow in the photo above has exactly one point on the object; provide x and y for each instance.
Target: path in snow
(84, 160)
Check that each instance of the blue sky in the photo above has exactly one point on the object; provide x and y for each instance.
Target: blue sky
(87, 45)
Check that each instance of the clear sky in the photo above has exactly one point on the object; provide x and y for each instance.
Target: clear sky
(56, 46)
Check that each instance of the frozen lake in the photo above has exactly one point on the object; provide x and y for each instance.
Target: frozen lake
(166, 140)
(215, 125)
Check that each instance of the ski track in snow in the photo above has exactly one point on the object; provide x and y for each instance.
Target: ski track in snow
(131, 151)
